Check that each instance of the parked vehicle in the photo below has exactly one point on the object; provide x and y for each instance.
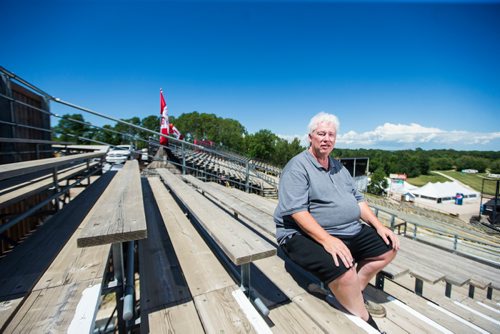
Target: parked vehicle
(121, 153)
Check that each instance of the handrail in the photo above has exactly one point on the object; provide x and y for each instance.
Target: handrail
(438, 231)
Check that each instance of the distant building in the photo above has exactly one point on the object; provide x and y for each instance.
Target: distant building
(358, 168)
(397, 183)
(444, 192)
(470, 171)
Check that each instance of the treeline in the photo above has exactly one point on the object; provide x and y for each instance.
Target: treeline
(225, 133)
(419, 162)
(229, 134)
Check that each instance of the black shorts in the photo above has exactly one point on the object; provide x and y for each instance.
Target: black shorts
(312, 257)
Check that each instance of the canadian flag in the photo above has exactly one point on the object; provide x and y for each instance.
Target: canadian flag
(173, 130)
(164, 119)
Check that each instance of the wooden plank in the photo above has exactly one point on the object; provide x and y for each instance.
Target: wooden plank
(420, 304)
(202, 270)
(162, 283)
(419, 270)
(290, 318)
(39, 250)
(449, 305)
(8, 307)
(239, 243)
(396, 269)
(327, 317)
(120, 215)
(403, 317)
(274, 269)
(49, 310)
(262, 220)
(220, 313)
(25, 167)
(181, 319)
(457, 269)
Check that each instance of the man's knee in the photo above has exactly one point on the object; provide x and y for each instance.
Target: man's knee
(349, 277)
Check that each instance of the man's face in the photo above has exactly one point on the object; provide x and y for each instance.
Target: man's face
(323, 138)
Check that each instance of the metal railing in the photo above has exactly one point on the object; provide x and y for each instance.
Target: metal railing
(453, 242)
(244, 164)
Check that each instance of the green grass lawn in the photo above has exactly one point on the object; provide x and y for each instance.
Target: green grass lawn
(423, 179)
(473, 180)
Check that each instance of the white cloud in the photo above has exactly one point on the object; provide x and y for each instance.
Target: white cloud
(409, 136)
(413, 134)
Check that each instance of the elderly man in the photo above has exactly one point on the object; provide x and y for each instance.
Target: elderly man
(318, 222)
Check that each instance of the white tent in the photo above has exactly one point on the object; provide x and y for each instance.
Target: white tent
(444, 191)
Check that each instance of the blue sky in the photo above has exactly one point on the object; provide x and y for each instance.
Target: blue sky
(398, 74)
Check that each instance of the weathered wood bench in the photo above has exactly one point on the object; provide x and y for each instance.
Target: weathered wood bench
(120, 211)
(211, 303)
(42, 280)
(424, 262)
(304, 309)
(238, 243)
(119, 220)
(273, 267)
(13, 174)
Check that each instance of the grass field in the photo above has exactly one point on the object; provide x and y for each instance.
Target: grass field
(473, 180)
(423, 179)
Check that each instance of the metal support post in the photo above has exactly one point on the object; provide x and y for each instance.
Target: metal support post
(245, 286)
(247, 178)
(118, 273)
(471, 291)
(447, 291)
(56, 186)
(489, 293)
(183, 159)
(455, 242)
(88, 169)
(419, 286)
(379, 281)
(128, 302)
(245, 278)
(415, 232)
(393, 221)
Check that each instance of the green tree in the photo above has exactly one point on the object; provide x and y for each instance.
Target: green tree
(261, 145)
(107, 137)
(471, 162)
(378, 182)
(225, 132)
(70, 127)
(285, 150)
(444, 163)
(495, 166)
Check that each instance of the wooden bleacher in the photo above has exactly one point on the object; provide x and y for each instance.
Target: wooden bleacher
(120, 214)
(406, 264)
(200, 297)
(75, 276)
(47, 271)
(188, 273)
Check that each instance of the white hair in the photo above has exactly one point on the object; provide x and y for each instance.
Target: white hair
(323, 117)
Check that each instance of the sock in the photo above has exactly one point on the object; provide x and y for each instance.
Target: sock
(372, 323)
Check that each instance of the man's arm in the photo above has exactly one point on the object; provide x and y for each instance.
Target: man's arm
(369, 217)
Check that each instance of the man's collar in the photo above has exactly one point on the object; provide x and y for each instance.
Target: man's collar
(316, 162)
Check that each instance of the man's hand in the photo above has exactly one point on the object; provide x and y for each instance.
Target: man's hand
(387, 235)
(337, 248)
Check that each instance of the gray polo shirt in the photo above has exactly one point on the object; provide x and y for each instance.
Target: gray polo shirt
(329, 195)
